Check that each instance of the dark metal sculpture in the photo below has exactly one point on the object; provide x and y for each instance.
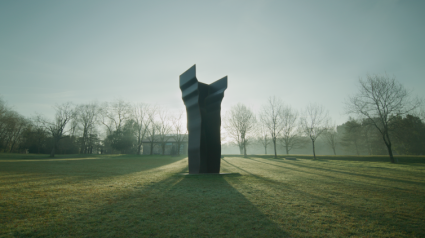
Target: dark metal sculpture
(203, 104)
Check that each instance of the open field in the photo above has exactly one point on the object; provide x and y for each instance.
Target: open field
(130, 196)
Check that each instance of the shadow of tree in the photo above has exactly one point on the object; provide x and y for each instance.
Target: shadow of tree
(330, 176)
(348, 173)
(403, 159)
(356, 206)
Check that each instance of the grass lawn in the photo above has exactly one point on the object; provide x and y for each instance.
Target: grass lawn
(144, 196)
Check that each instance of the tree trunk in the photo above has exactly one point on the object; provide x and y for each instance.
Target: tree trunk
(11, 147)
(151, 148)
(265, 149)
(390, 152)
(7, 143)
(84, 141)
(82, 146)
(163, 148)
(287, 149)
(333, 148)
(274, 145)
(244, 150)
(357, 148)
(139, 144)
(13, 141)
(178, 148)
(388, 144)
(314, 150)
(52, 154)
(138, 148)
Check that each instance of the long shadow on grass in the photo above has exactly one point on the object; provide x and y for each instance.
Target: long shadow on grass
(332, 178)
(282, 167)
(341, 204)
(407, 160)
(267, 180)
(251, 174)
(349, 173)
(87, 168)
(179, 206)
(214, 208)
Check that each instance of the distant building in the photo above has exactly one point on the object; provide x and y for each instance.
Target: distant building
(171, 145)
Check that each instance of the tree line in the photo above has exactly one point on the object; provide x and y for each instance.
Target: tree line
(278, 125)
(93, 128)
(385, 120)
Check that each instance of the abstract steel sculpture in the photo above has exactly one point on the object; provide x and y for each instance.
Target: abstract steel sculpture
(203, 104)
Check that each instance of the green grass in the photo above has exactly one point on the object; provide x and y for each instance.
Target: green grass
(144, 196)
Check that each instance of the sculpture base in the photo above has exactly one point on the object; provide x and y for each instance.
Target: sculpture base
(215, 174)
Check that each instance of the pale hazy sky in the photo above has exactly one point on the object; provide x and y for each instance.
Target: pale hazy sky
(301, 51)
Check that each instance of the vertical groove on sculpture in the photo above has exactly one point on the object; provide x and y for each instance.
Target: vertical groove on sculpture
(203, 105)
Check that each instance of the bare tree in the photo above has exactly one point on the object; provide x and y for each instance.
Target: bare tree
(11, 127)
(74, 124)
(179, 130)
(235, 139)
(271, 118)
(86, 117)
(352, 137)
(16, 137)
(421, 112)
(39, 133)
(232, 132)
(6, 123)
(290, 137)
(263, 136)
(164, 129)
(152, 128)
(3, 118)
(239, 124)
(381, 100)
(64, 114)
(113, 115)
(368, 132)
(3, 107)
(140, 116)
(331, 136)
(104, 118)
(314, 122)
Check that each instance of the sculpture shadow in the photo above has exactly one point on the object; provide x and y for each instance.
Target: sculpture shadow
(178, 206)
